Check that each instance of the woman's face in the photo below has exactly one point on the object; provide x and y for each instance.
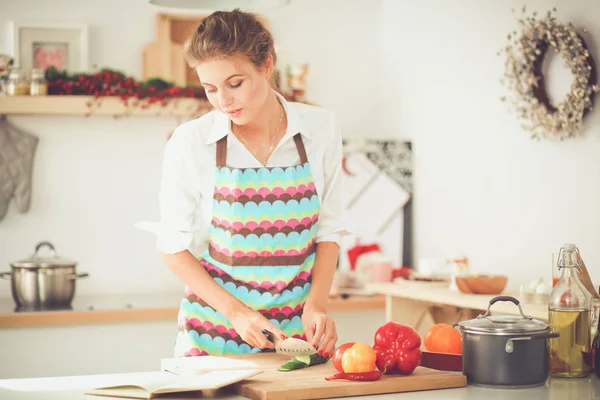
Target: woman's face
(234, 86)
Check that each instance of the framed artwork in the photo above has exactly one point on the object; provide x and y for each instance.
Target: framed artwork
(41, 45)
(377, 201)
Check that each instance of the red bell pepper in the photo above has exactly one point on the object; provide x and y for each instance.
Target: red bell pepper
(397, 348)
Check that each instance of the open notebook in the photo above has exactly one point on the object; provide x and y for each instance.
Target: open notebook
(186, 374)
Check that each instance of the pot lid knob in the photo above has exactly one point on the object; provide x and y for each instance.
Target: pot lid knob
(42, 244)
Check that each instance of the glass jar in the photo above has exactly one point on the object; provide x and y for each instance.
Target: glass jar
(17, 83)
(569, 316)
(38, 85)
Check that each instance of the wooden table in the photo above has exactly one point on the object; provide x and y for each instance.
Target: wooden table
(421, 307)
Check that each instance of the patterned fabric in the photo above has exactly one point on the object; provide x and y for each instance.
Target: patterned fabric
(17, 151)
(261, 250)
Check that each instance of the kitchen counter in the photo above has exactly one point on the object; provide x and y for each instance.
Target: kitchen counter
(136, 307)
(554, 389)
(421, 306)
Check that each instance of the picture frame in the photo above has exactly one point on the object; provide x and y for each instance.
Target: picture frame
(378, 172)
(40, 45)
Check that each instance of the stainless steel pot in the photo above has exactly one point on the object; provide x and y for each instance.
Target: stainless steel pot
(40, 283)
(505, 351)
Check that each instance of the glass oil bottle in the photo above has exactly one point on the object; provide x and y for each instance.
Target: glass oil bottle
(569, 316)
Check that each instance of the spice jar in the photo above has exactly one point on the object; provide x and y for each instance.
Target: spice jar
(17, 84)
(38, 85)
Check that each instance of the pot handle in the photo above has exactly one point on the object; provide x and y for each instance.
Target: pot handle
(505, 298)
(47, 244)
(77, 276)
(6, 275)
(509, 348)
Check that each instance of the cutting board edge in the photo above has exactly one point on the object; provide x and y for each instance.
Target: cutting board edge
(457, 382)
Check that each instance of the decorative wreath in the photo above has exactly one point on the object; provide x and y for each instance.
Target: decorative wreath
(524, 78)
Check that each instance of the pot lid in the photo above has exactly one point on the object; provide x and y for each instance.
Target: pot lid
(504, 324)
(44, 261)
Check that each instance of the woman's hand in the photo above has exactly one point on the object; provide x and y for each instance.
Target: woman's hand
(249, 324)
(320, 330)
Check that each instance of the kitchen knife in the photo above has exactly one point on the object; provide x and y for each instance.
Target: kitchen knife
(290, 346)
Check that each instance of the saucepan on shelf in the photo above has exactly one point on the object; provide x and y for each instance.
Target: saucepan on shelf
(43, 281)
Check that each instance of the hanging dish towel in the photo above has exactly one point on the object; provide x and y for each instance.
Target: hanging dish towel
(17, 150)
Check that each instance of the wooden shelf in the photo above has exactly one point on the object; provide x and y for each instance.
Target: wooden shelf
(134, 308)
(103, 106)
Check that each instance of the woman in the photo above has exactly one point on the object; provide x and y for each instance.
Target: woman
(261, 176)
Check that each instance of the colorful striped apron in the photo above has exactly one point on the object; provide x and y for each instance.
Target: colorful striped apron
(261, 250)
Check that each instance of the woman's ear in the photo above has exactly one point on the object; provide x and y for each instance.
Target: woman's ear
(269, 67)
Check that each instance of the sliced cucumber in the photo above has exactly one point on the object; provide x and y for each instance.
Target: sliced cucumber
(305, 359)
(300, 362)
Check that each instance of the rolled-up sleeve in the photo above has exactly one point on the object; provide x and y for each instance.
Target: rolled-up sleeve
(177, 198)
(331, 226)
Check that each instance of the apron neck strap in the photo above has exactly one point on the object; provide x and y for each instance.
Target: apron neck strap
(301, 148)
(222, 152)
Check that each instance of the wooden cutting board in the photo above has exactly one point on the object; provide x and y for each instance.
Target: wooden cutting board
(310, 383)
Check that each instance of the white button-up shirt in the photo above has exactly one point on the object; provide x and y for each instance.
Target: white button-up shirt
(188, 174)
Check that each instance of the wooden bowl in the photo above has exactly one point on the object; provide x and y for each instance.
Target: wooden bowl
(482, 284)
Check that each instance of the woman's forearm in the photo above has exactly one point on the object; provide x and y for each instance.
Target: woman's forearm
(322, 274)
(189, 270)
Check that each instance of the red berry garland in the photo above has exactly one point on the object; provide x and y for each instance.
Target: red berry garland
(107, 82)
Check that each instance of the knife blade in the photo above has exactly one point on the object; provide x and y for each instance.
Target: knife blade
(290, 346)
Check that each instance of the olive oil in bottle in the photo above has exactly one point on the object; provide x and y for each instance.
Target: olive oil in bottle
(568, 353)
(569, 316)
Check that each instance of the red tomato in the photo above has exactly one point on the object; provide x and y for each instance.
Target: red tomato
(337, 356)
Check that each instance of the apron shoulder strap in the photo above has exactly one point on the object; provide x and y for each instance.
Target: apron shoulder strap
(301, 148)
(222, 152)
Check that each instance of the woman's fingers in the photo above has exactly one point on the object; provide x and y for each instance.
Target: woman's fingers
(249, 338)
(327, 346)
(274, 329)
(261, 340)
(320, 325)
(309, 331)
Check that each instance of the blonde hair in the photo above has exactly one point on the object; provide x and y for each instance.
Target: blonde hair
(228, 33)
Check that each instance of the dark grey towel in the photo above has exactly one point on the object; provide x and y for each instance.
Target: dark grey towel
(17, 151)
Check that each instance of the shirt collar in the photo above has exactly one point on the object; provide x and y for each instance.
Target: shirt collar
(222, 124)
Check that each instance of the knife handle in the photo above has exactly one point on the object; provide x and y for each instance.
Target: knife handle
(271, 337)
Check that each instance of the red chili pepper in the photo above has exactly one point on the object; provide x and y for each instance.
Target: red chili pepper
(356, 376)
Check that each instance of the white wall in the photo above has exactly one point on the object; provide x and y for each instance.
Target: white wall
(94, 178)
(482, 186)
(426, 71)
